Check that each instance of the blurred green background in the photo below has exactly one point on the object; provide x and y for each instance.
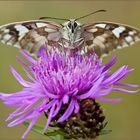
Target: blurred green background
(123, 117)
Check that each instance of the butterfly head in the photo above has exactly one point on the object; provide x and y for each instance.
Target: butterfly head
(71, 31)
(72, 25)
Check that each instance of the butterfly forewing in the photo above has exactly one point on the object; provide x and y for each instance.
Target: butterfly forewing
(100, 37)
(30, 35)
(103, 37)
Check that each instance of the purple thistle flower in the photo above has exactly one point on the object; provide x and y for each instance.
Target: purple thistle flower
(57, 80)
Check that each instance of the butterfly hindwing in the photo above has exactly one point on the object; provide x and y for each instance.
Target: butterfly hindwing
(103, 37)
(29, 35)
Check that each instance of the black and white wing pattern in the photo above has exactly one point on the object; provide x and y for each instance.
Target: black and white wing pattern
(103, 37)
(30, 35)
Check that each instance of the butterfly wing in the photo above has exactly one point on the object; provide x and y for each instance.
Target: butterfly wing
(103, 37)
(30, 35)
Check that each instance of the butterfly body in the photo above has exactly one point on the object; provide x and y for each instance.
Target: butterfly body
(101, 37)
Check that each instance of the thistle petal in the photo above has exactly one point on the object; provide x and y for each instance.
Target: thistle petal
(58, 80)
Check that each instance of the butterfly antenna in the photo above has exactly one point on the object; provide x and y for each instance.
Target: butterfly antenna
(91, 14)
(53, 18)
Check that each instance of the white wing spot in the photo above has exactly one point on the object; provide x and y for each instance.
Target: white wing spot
(98, 42)
(131, 33)
(101, 25)
(137, 38)
(104, 55)
(22, 30)
(2, 29)
(7, 37)
(118, 30)
(3, 41)
(16, 45)
(93, 30)
(101, 38)
(119, 47)
(125, 45)
(128, 39)
(40, 24)
(49, 30)
(8, 43)
(6, 31)
(131, 43)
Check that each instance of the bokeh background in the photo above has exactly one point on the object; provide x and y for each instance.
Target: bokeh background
(123, 117)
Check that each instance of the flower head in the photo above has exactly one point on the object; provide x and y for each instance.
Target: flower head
(56, 80)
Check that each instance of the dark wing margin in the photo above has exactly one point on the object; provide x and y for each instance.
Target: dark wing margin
(103, 37)
(29, 35)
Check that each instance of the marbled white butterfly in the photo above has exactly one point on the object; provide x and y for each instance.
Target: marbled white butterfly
(102, 37)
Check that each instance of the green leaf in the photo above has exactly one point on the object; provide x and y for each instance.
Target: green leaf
(105, 131)
(54, 133)
(59, 132)
(37, 129)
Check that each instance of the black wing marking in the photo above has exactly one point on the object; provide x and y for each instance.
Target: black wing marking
(104, 37)
(29, 35)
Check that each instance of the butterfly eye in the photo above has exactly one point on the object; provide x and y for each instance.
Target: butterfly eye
(69, 24)
(75, 24)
